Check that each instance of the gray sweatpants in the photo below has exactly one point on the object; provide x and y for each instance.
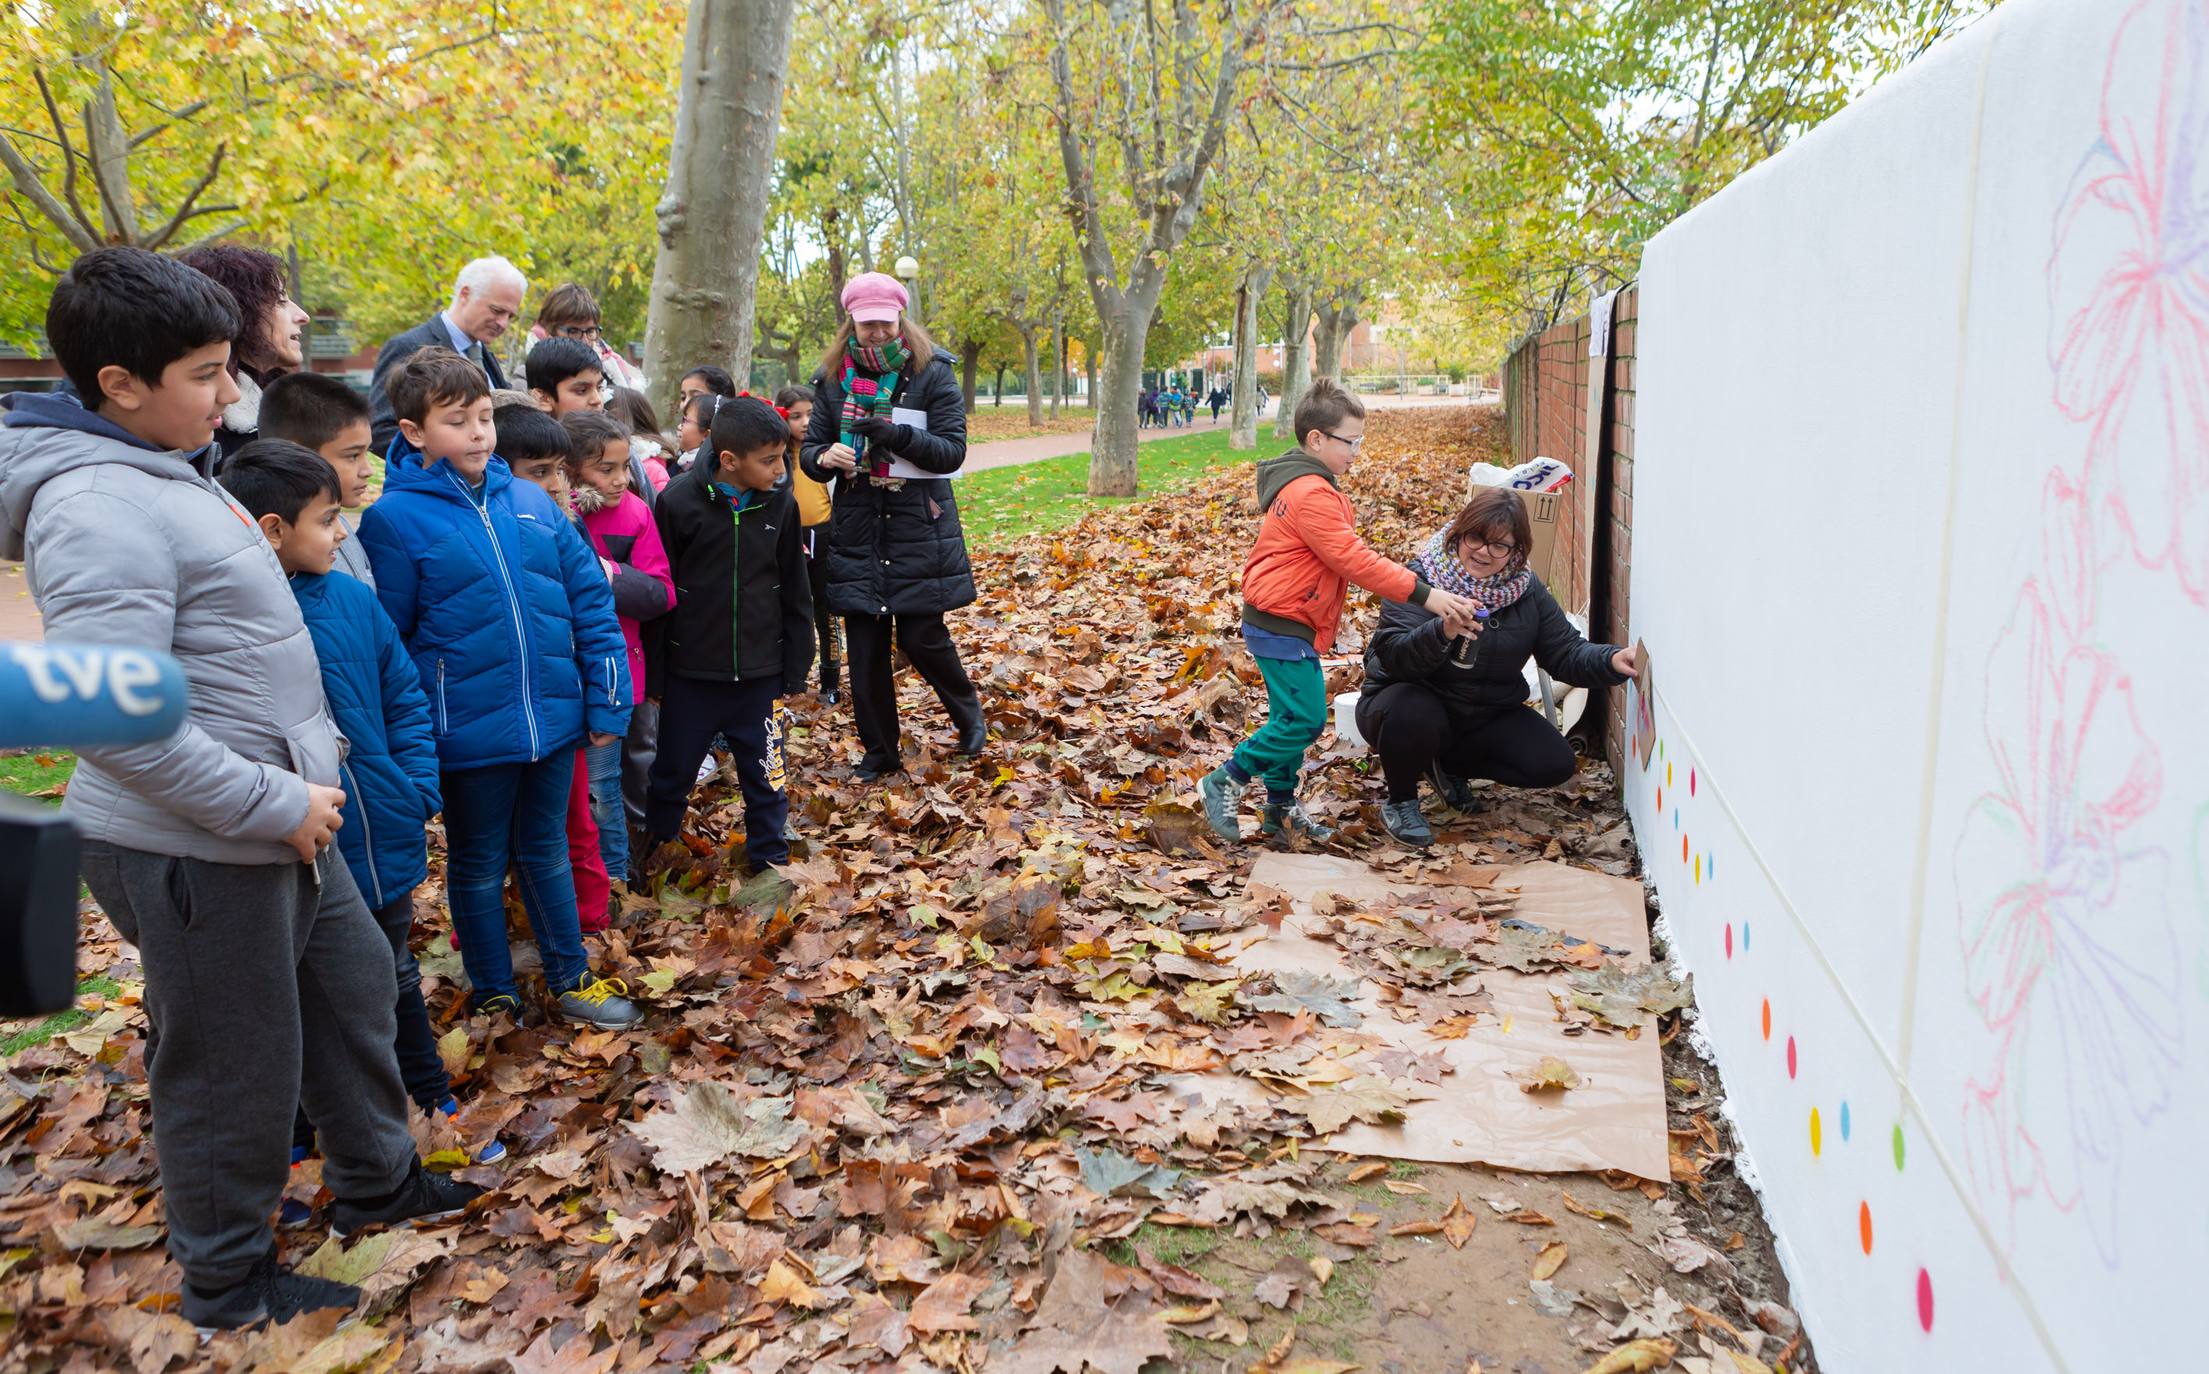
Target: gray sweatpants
(251, 971)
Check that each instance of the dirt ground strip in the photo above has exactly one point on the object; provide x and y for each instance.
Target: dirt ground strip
(912, 1113)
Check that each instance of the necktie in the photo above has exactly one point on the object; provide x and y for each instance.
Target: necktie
(475, 353)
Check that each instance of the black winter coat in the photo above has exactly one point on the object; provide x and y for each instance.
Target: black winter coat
(743, 607)
(895, 548)
(1409, 645)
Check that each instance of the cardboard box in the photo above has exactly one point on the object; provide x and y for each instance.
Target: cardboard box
(1546, 512)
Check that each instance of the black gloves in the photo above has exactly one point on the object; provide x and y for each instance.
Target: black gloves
(876, 430)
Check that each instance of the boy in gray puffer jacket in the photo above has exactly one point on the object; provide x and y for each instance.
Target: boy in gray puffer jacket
(210, 850)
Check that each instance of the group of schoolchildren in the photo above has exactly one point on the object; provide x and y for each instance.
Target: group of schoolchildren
(475, 647)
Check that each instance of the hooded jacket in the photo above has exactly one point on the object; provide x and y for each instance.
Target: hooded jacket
(125, 544)
(895, 546)
(390, 772)
(1410, 645)
(623, 533)
(1307, 553)
(504, 609)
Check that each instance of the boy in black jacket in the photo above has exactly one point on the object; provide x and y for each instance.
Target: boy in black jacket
(741, 632)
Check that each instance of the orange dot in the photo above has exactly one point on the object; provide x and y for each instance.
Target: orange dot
(1767, 1018)
(1683, 849)
(1864, 1225)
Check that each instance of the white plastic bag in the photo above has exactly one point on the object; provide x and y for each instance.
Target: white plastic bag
(1533, 475)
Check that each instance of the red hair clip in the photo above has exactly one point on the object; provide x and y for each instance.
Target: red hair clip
(785, 414)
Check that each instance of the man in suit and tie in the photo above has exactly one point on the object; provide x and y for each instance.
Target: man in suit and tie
(487, 297)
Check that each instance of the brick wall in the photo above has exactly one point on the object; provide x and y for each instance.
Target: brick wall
(1545, 396)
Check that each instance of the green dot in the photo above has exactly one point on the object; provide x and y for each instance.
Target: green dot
(1898, 1147)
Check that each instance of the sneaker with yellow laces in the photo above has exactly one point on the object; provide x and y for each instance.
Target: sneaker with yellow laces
(598, 1002)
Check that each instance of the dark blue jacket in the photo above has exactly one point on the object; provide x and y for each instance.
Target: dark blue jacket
(504, 608)
(390, 768)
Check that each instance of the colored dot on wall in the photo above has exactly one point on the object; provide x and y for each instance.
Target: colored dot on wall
(1691, 782)
(1844, 1120)
(1925, 1300)
(1683, 849)
(1698, 870)
(1790, 1056)
(1668, 775)
(1660, 799)
(1710, 867)
(1864, 1225)
(1817, 1134)
(1676, 818)
(1898, 1147)
(1744, 937)
(1729, 939)
(1767, 1018)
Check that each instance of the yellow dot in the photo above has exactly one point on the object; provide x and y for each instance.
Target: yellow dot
(1817, 1132)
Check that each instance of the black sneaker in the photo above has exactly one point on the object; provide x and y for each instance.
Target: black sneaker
(424, 1196)
(1455, 793)
(974, 739)
(268, 1293)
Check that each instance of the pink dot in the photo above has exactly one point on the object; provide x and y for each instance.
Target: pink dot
(1691, 782)
(1790, 1056)
(1925, 1300)
(1729, 939)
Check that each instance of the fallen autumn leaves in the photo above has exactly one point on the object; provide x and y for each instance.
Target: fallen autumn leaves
(909, 1119)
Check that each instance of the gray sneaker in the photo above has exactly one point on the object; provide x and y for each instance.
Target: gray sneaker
(598, 1002)
(1222, 797)
(1294, 819)
(1406, 824)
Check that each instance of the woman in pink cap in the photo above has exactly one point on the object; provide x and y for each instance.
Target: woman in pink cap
(896, 557)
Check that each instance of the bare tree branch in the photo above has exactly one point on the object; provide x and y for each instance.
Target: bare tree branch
(68, 158)
(184, 209)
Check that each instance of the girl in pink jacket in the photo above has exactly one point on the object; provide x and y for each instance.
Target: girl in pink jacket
(628, 542)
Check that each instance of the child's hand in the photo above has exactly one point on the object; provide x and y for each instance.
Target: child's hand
(1456, 612)
(841, 458)
(321, 824)
(610, 568)
(600, 739)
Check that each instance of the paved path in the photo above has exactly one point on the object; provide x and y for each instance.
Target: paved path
(1005, 453)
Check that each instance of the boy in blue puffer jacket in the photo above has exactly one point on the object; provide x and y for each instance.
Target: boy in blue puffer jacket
(514, 638)
(389, 768)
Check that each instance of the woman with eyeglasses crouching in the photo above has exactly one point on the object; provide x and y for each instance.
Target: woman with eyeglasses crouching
(1452, 707)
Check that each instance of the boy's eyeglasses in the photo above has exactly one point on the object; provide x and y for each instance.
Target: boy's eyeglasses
(588, 332)
(1352, 444)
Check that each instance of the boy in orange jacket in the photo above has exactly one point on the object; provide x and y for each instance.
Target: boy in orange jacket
(1307, 553)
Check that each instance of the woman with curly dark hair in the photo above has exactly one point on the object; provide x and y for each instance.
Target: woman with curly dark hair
(269, 343)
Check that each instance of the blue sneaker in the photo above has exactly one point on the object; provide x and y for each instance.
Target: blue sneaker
(1222, 798)
(491, 1153)
(294, 1214)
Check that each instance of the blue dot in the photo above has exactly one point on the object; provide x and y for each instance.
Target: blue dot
(1675, 818)
(1744, 937)
(1710, 866)
(1844, 1120)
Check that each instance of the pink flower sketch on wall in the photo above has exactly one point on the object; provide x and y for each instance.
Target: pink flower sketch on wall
(2071, 958)
(2128, 284)
(2084, 1012)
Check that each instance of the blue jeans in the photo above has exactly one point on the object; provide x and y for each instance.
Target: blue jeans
(512, 815)
(607, 810)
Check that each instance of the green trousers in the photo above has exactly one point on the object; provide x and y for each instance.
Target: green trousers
(1296, 713)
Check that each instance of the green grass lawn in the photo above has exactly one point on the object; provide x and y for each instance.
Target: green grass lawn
(30, 772)
(17, 1036)
(1002, 504)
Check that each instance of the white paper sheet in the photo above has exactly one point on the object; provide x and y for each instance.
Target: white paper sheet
(918, 419)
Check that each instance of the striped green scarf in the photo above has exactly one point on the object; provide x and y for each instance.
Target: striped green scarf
(870, 381)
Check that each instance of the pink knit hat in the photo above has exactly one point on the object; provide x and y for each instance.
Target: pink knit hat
(874, 296)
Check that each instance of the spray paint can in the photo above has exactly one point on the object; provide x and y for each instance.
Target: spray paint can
(1465, 648)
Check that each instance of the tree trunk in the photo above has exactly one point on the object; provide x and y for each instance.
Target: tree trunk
(1034, 375)
(719, 177)
(1089, 362)
(1296, 359)
(1243, 427)
(1125, 323)
(970, 358)
(1058, 366)
(997, 391)
(1337, 318)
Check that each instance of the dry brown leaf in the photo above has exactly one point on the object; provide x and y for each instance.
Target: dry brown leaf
(1425, 1227)
(1367, 1170)
(942, 1305)
(1636, 1357)
(1458, 1223)
(1552, 1074)
(1552, 1259)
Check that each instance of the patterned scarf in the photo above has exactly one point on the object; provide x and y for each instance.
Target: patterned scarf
(870, 380)
(1490, 594)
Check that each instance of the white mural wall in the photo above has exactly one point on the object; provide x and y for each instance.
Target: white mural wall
(1921, 557)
